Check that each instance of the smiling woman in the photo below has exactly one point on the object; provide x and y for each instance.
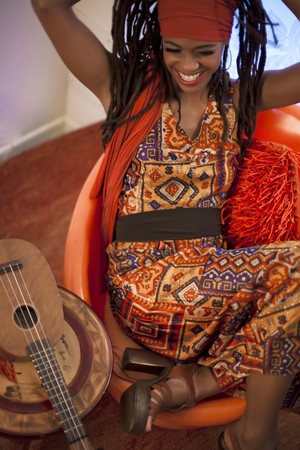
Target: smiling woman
(177, 127)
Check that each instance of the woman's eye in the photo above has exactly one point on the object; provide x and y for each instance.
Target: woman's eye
(199, 53)
(208, 53)
(171, 50)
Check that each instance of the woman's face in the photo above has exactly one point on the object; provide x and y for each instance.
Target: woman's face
(191, 63)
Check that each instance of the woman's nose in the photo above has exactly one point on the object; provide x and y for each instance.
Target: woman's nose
(190, 63)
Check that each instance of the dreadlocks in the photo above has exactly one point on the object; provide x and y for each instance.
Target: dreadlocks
(135, 54)
(137, 58)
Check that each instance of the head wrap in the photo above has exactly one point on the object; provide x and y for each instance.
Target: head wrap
(203, 20)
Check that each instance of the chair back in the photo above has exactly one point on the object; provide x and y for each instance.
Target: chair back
(82, 268)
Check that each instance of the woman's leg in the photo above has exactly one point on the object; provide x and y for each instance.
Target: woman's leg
(265, 394)
(272, 291)
(205, 384)
(120, 341)
(257, 427)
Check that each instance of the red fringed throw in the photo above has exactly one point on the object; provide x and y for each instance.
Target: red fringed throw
(264, 200)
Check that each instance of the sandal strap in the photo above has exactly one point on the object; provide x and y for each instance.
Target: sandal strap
(163, 394)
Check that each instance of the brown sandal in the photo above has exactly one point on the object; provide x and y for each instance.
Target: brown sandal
(165, 397)
(135, 401)
(145, 399)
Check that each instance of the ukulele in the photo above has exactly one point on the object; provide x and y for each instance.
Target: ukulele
(55, 354)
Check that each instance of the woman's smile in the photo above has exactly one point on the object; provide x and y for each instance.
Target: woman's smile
(190, 79)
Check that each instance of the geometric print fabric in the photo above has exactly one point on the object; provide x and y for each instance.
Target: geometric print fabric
(236, 311)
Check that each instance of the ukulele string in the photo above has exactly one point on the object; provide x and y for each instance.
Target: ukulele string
(30, 326)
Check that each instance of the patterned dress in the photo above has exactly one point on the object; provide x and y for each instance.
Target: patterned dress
(235, 311)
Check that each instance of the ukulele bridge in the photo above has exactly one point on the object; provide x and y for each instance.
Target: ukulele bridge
(10, 266)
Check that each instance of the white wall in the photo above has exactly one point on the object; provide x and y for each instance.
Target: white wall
(39, 98)
(33, 81)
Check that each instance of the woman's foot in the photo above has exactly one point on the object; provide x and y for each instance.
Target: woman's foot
(175, 387)
(228, 440)
(233, 439)
(185, 387)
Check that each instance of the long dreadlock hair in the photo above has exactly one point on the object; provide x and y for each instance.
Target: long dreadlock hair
(137, 52)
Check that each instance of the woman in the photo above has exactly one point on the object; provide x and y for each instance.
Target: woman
(174, 135)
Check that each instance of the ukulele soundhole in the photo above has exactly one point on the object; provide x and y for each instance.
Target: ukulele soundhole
(25, 317)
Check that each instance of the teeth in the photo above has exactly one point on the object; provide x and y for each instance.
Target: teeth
(189, 78)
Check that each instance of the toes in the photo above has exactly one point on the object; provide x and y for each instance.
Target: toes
(170, 394)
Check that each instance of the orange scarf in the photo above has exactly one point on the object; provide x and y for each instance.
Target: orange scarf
(118, 155)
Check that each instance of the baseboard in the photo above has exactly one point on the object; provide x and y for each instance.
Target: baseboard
(51, 130)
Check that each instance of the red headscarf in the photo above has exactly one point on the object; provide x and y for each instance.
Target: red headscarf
(203, 20)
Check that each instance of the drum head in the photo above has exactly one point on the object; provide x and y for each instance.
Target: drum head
(84, 355)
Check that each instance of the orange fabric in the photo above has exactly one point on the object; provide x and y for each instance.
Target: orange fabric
(118, 155)
(205, 20)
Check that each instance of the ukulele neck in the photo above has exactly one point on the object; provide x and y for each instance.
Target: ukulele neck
(84, 444)
(43, 357)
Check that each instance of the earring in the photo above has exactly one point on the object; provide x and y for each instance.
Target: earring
(230, 59)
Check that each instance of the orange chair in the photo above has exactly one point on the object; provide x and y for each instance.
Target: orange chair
(82, 262)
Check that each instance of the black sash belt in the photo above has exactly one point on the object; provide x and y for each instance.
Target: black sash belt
(169, 224)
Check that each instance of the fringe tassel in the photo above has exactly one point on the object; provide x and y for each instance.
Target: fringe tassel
(264, 201)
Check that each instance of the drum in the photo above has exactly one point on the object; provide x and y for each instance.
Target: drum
(84, 356)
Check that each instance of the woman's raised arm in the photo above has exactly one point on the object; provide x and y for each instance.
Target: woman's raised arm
(78, 47)
(282, 87)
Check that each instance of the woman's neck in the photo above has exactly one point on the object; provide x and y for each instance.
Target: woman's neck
(188, 112)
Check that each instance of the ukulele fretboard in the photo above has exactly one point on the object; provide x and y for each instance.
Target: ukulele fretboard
(43, 357)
